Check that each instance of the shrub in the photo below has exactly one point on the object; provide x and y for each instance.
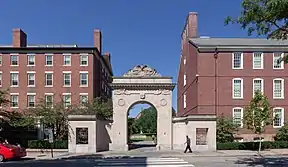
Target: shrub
(252, 145)
(44, 144)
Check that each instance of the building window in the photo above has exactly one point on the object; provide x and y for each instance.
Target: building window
(238, 116)
(0, 78)
(49, 60)
(184, 100)
(14, 79)
(184, 61)
(278, 115)
(0, 60)
(201, 136)
(67, 79)
(258, 85)
(237, 60)
(83, 99)
(31, 78)
(49, 99)
(30, 59)
(185, 80)
(84, 79)
(66, 99)
(237, 88)
(49, 79)
(278, 63)
(14, 100)
(67, 59)
(278, 88)
(257, 60)
(31, 100)
(14, 60)
(83, 59)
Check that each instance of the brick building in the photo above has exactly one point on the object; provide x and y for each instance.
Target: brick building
(219, 76)
(70, 73)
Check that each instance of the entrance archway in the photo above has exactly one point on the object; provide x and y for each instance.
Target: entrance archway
(142, 84)
(142, 126)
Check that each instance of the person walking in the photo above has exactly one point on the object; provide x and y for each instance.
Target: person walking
(188, 145)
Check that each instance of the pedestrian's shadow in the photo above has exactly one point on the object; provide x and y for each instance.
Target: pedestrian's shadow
(264, 161)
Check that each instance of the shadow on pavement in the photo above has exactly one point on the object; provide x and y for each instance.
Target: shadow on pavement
(137, 146)
(264, 161)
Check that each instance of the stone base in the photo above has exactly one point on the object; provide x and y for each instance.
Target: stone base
(118, 147)
(162, 147)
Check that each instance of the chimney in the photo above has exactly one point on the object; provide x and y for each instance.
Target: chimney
(98, 40)
(107, 56)
(192, 22)
(19, 38)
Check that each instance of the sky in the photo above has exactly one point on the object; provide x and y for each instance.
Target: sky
(134, 31)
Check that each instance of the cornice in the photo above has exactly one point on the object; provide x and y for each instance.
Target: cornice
(141, 86)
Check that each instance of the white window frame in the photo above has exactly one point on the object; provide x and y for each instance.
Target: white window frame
(281, 63)
(81, 56)
(17, 55)
(84, 72)
(46, 55)
(33, 55)
(17, 95)
(1, 59)
(34, 95)
(262, 85)
(83, 94)
(241, 59)
(49, 72)
(67, 94)
(282, 85)
(242, 114)
(1, 80)
(282, 116)
(184, 80)
(28, 73)
(14, 72)
(262, 60)
(70, 79)
(65, 55)
(51, 95)
(184, 61)
(184, 100)
(242, 83)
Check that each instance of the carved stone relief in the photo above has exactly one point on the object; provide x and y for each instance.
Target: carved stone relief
(121, 102)
(163, 102)
(142, 71)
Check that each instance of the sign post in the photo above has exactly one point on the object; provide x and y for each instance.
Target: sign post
(49, 133)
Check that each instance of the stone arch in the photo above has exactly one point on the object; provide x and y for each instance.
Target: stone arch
(138, 85)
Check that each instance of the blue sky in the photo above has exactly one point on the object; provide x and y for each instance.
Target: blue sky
(134, 31)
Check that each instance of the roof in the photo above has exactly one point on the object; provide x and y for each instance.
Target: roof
(248, 44)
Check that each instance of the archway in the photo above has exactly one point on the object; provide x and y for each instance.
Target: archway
(139, 84)
(142, 126)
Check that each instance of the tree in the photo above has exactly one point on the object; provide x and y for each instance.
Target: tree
(225, 129)
(282, 134)
(4, 115)
(258, 114)
(51, 116)
(100, 106)
(265, 17)
(147, 121)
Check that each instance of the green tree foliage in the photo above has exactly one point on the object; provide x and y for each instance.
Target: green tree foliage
(258, 114)
(101, 107)
(225, 129)
(282, 134)
(265, 17)
(147, 123)
(4, 115)
(54, 117)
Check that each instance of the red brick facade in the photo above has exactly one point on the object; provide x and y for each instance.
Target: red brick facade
(209, 76)
(60, 61)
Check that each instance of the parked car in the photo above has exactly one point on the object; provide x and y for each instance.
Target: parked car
(9, 151)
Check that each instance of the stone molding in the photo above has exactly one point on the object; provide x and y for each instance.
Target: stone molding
(82, 117)
(143, 86)
(195, 118)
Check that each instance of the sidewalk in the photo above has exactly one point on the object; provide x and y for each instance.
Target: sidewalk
(174, 153)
